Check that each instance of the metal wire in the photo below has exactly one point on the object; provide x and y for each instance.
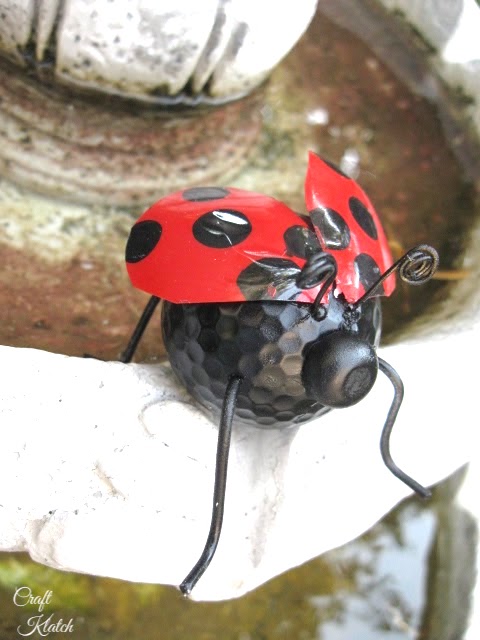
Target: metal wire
(415, 267)
(319, 268)
(223, 449)
(137, 334)
(397, 383)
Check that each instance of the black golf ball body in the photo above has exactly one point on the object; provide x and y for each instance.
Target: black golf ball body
(263, 342)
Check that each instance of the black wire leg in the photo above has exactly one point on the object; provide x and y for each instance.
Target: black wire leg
(221, 464)
(397, 383)
(137, 334)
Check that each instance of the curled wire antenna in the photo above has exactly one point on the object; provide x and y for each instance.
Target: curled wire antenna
(319, 268)
(415, 267)
(418, 265)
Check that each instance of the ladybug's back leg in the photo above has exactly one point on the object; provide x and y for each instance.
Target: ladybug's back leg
(137, 334)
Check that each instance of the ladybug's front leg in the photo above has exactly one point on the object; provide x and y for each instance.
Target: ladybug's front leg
(397, 383)
(223, 449)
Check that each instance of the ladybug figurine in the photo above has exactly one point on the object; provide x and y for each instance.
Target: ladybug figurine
(271, 318)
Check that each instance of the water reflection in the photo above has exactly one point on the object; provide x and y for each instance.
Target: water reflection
(391, 576)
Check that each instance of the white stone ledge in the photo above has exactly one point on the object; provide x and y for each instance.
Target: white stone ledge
(108, 468)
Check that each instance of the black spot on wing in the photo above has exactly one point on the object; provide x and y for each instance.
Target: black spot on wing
(301, 242)
(368, 271)
(200, 194)
(333, 228)
(269, 279)
(142, 240)
(221, 228)
(363, 217)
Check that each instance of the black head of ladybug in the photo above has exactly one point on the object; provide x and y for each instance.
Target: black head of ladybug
(340, 369)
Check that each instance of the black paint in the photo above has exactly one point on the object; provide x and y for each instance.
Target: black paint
(368, 272)
(300, 241)
(142, 240)
(202, 194)
(363, 217)
(221, 228)
(333, 228)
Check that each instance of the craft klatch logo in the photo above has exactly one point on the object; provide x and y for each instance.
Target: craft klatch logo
(41, 623)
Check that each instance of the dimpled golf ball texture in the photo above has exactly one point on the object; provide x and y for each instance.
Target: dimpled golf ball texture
(264, 342)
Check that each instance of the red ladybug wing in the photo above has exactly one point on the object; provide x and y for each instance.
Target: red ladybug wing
(348, 228)
(209, 244)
